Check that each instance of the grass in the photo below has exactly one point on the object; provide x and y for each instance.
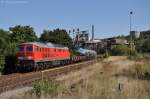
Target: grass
(108, 86)
(46, 87)
(103, 83)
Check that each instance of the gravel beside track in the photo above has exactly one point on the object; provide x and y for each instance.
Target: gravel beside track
(10, 82)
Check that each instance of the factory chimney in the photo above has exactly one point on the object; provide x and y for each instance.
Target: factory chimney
(92, 32)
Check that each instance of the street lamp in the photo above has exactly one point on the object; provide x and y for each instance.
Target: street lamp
(131, 43)
(131, 21)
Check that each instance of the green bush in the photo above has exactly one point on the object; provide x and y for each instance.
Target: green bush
(120, 50)
(146, 46)
(10, 64)
(1, 68)
(2, 62)
(47, 87)
(140, 56)
(146, 56)
(143, 45)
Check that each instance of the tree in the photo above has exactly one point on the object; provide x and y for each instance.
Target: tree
(45, 36)
(4, 40)
(57, 36)
(22, 34)
(145, 34)
(121, 37)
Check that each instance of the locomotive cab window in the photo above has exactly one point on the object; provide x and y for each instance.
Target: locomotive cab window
(29, 48)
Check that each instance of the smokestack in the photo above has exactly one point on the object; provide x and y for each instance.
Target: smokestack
(92, 32)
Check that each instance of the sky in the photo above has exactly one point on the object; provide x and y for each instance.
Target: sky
(109, 17)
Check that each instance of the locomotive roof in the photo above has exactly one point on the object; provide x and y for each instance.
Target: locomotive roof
(47, 45)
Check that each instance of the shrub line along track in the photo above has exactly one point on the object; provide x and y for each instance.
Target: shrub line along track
(20, 80)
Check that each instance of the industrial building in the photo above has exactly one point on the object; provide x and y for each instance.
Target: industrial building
(99, 45)
(134, 34)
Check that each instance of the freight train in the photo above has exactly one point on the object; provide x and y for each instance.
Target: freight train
(37, 56)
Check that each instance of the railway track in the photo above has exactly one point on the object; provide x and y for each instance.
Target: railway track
(11, 82)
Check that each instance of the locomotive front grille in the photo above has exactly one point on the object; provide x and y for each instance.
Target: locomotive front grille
(21, 56)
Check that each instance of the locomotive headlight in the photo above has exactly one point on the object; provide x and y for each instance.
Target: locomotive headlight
(20, 58)
(29, 57)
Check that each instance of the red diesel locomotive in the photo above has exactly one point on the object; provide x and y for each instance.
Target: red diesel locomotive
(36, 55)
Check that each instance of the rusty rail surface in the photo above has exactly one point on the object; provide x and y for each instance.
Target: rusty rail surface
(21, 80)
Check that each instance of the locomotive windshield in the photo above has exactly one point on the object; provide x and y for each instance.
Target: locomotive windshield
(20, 48)
(25, 48)
(29, 48)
